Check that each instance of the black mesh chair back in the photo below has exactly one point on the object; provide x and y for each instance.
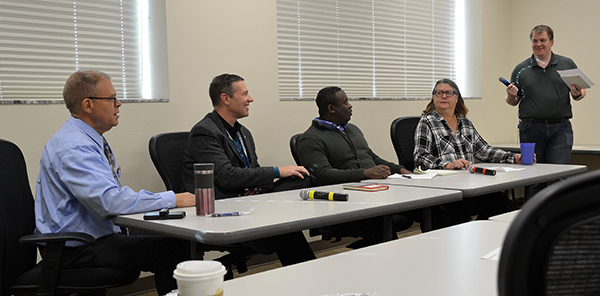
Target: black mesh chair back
(166, 152)
(293, 147)
(402, 132)
(19, 274)
(16, 216)
(553, 245)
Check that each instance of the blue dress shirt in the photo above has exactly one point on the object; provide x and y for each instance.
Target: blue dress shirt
(76, 190)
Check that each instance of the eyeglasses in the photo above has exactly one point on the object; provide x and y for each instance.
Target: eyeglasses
(97, 98)
(448, 94)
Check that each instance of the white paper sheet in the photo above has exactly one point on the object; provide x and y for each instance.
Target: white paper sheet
(438, 172)
(506, 169)
(575, 76)
(493, 255)
(413, 176)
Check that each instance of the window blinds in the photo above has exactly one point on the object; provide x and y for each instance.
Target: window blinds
(43, 42)
(377, 49)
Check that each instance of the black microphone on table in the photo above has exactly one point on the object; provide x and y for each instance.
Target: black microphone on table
(474, 169)
(313, 194)
(503, 80)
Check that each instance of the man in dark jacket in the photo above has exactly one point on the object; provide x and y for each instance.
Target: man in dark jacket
(335, 151)
(220, 139)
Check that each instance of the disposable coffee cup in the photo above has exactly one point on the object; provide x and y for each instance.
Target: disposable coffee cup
(204, 188)
(200, 278)
(527, 153)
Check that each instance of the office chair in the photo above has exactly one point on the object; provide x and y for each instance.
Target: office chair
(166, 151)
(402, 132)
(553, 245)
(19, 274)
(293, 144)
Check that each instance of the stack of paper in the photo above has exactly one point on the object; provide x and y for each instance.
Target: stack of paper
(575, 76)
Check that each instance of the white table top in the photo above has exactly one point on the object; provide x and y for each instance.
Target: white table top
(506, 217)
(577, 149)
(478, 184)
(442, 262)
(285, 212)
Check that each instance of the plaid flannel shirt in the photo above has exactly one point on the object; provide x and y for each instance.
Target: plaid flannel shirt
(436, 145)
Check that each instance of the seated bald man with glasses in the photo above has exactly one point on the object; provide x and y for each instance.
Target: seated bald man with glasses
(79, 189)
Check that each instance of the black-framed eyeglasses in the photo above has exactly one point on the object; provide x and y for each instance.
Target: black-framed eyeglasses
(98, 98)
(448, 94)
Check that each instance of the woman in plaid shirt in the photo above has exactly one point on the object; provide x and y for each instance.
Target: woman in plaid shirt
(446, 139)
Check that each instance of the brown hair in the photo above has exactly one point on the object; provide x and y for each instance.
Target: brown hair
(222, 84)
(460, 108)
(539, 29)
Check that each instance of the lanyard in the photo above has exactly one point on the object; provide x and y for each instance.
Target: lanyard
(240, 149)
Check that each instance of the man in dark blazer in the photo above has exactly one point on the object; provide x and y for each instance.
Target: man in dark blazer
(220, 139)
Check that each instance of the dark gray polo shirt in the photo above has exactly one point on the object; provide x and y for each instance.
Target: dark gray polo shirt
(544, 95)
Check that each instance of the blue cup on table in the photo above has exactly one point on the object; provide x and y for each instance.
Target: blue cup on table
(527, 153)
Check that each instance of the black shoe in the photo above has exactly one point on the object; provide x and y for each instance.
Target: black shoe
(360, 244)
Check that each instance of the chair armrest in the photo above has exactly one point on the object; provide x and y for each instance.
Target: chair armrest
(58, 237)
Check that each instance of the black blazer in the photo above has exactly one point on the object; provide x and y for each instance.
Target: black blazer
(208, 142)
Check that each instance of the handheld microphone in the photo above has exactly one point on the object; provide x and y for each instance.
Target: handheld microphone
(503, 80)
(474, 169)
(312, 194)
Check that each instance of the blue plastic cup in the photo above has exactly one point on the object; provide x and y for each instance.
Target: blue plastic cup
(527, 153)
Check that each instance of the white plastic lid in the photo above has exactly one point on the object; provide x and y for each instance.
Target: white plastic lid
(199, 268)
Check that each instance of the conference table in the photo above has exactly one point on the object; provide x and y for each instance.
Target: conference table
(285, 212)
(474, 184)
(441, 262)
(506, 217)
(577, 149)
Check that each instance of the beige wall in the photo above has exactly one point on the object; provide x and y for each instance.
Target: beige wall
(207, 38)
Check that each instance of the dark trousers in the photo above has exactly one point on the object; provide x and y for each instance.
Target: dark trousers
(291, 183)
(483, 206)
(291, 248)
(553, 144)
(152, 253)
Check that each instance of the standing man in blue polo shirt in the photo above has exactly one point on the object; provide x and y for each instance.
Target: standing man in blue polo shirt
(543, 99)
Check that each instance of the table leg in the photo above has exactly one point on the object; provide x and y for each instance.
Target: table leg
(388, 228)
(196, 253)
(527, 190)
(426, 220)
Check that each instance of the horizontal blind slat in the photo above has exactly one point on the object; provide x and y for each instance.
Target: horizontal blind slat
(44, 40)
(371, 47)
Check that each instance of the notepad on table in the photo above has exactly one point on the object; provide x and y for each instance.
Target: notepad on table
(365, 187)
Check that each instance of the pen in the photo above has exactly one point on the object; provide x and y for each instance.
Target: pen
(407, 177)
(230, 214)
(225, 214)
